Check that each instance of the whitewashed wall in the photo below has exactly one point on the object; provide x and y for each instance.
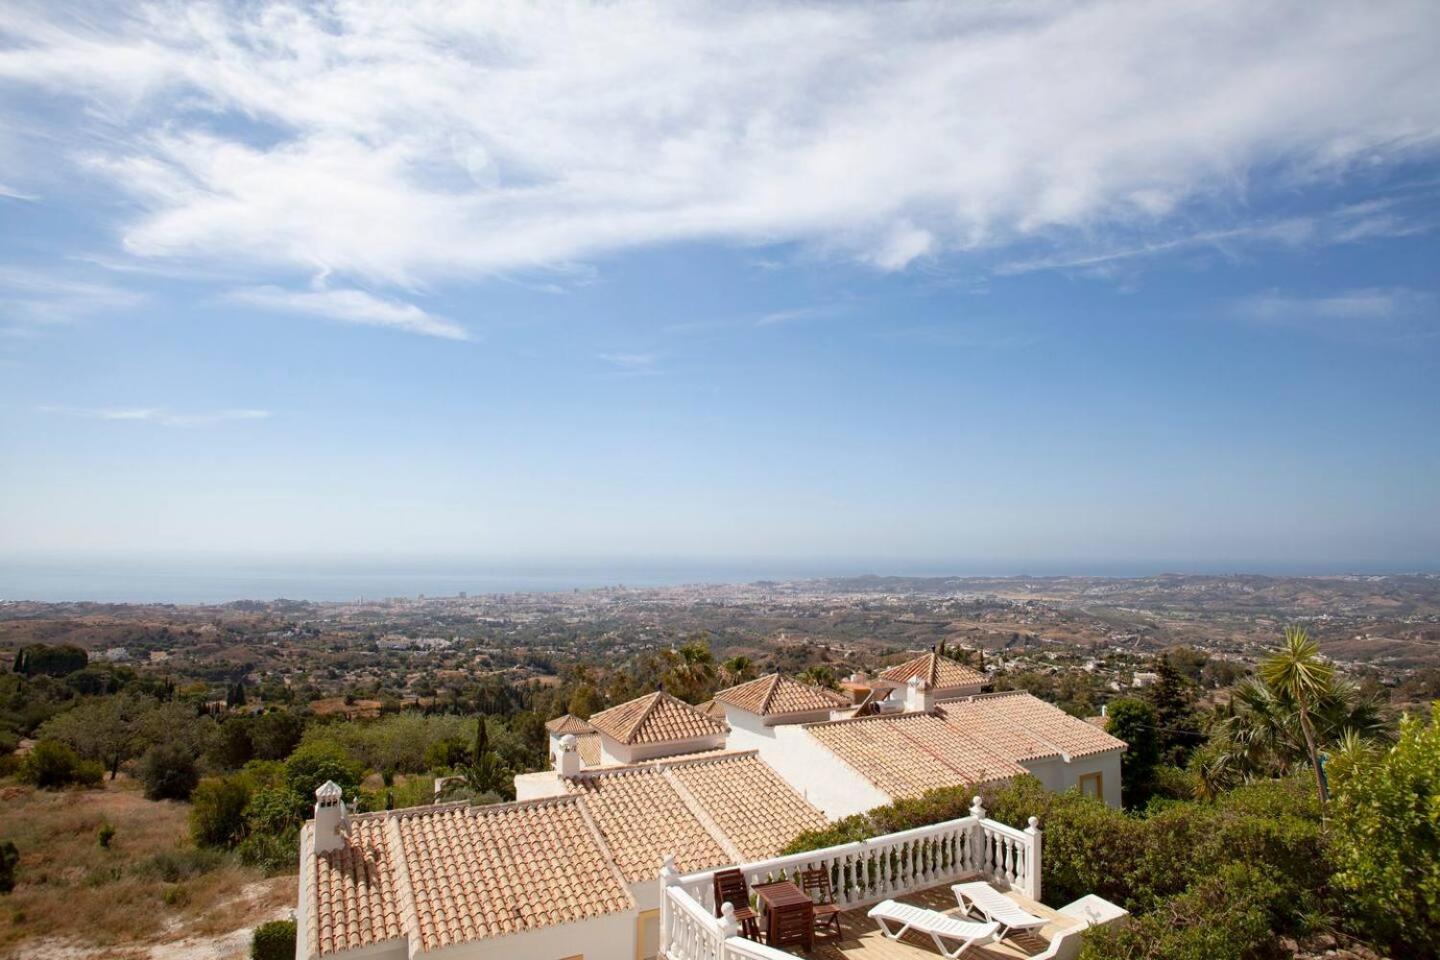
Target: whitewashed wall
(821, 777)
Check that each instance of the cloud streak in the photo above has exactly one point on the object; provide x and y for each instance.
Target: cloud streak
(435, 140)
(159, 415)
(1362, 313)
(351, 306)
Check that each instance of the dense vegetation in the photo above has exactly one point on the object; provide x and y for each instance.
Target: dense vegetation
(1227, 845)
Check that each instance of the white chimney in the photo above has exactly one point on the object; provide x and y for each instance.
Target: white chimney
(918, 698)
(569, 756)
(329, 817)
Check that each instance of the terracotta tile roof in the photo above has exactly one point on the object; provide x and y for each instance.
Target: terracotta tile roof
(907, 754)
(711, 709)
(756, 810)
(589, 746)
(354, 901)
(478, 872)
(656, 718)
(1003, 735)
(1045, 721)
(642, 818)
(568, 723)
(938, 673)
(774, 694)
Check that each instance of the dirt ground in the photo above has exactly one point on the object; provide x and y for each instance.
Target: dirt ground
(149, 896)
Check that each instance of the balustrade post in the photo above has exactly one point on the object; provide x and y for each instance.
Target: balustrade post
(979, 844)
(729, 926)
(669, 877)
(1033, 867)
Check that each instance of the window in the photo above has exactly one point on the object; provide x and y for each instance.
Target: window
(1093, 785)
(647, 935)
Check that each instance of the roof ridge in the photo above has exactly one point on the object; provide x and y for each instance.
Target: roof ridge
(634, 728)
(404, 891)
(770, 694)
(657, 762)
(698, 811)
(607, 854)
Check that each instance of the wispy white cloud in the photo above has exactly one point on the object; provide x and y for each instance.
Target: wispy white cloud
(1364, 313)
(352, 306)
(1350, 223)
(158, 415)
(10, 193)
(31, 299)
(797, 314)
(630, 361)
(402, 144)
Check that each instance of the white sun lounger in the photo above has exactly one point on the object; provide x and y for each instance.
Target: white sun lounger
(942, 928)
(995, 906)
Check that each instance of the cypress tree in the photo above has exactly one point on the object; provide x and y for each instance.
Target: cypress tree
(482, 738)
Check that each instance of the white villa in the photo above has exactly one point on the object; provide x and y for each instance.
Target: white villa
(610, 854)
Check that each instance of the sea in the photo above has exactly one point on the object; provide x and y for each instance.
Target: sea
(191, 579)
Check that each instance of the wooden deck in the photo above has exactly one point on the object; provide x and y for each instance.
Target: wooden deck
(861, 938)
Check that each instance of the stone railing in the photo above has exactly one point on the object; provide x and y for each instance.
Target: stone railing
(861, 873)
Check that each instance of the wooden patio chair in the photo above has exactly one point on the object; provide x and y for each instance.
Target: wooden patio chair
(793, 925)
(730, 887)
(816, 884)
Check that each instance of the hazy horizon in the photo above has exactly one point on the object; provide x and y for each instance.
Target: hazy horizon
(196, 579)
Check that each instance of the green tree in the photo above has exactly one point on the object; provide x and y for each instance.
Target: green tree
(1386, 835)
(584, 701)
(1136, 722)
(738, 669)
(1174, 703)
(217, 811)
(314, 763)
(1298, 672)
(9, 863)
(819, 675)
(691, 671)
(169, 772)
(274, 940)
(42, 659)
(51, 765)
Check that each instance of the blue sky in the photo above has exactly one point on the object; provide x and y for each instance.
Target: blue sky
(1011, 286)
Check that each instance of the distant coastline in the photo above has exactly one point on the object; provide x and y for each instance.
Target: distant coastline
(197, 580)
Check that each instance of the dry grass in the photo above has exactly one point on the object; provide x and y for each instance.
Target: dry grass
(150, 887)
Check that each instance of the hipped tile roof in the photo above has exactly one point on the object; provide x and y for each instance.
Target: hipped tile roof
(656, 718)
(568, 723)
(907, 754)
(773, 695)
(1039, 720)
(938, 673)
(453, 873)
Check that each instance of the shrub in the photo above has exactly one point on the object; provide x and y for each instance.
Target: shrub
(1227, 915)
(314, 763)
(105, 834)
(274, 941)
(217, 812)
(168, 772)
(271, 852)
(9, 863)
(1386, 819)
(52, 765)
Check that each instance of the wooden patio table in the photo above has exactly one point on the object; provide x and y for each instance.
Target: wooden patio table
(781, 897)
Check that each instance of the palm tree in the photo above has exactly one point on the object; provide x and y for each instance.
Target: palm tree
(1297, 671)
(739, 669)
(819, 675)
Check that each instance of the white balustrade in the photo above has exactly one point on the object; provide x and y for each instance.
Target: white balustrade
(862, 873)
